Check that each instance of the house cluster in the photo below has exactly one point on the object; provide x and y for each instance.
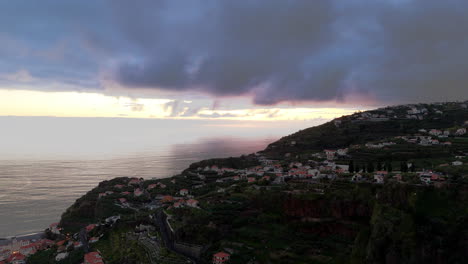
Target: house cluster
(428, 177)
(415, 112)
(15, 251)
(412, 112)
(424, 140)
(93, 258)
(185, 200)
(138, 190)
(241, 173)
(68, 244)
(379, 145)
(369, 116)
(271, 170)
(379, 177)
(133, 183)
(221, 258)
(216, 169)
(332, 154)
(444, 133)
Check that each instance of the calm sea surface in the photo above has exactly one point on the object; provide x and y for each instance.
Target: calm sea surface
(47, 163)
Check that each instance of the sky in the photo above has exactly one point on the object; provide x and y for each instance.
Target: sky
(221, 59)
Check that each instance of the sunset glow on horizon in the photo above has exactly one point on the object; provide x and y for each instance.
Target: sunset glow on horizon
(88, 104)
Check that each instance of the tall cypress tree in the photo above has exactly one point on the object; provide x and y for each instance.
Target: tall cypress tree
(351, 166)
(370, 167)
(403, 166)
(389, 166)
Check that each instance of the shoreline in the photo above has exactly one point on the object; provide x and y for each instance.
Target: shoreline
(34, 235)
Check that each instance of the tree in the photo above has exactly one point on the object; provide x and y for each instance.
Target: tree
(370, 167)
(357, 169)
(403, 166)
(413, 167)
(389, 166)
(379, 166)
(351, 166)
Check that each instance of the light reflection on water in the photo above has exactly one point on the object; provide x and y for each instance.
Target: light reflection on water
(47, 163)
(34, 193)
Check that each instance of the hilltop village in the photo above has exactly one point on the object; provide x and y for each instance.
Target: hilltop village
(336, 193)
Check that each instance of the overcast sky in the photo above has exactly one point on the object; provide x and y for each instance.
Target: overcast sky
(209, 55)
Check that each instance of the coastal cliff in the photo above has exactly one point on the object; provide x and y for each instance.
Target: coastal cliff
(382, 186)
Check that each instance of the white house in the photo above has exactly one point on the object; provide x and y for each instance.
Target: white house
(54, 228)
(342, 152)
(356, 177)
(379, 178)
(460, 132)
(61, 256)
(425, 178)
(435, 132)
(330, 154)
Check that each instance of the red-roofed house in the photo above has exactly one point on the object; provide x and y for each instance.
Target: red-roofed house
(45, 243)
(152, 186)
(93, 258)
(16, 258)
(29, 249)
(192, 203)
(118, 186)
(221, 258)
(134, 181)
(61, 243)
(126, 193)
(330, 154)
(167, 199)
(251, 179)
(183, 192)
(122, 200)
(77, 244)
(436, 177)
(398, 177)
(90, 227)
(381, 172)
(138, 192)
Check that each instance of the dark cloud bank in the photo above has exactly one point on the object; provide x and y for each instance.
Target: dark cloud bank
(278, 50)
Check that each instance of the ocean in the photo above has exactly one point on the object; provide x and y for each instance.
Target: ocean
(47, 163)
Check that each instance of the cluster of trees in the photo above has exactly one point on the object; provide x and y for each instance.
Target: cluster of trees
(379, 166)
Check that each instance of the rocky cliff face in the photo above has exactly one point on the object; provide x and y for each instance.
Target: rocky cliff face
(325, 218)
(396, 224)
